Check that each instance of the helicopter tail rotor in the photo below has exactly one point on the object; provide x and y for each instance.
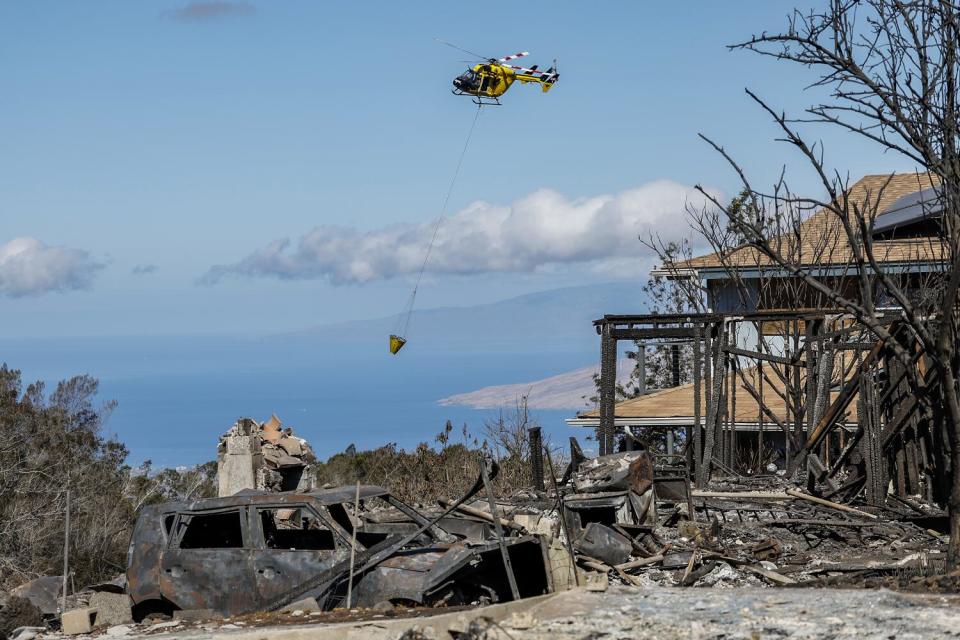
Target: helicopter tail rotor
(550, 76)
(533, 74)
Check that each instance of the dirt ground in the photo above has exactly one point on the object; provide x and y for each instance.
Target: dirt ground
(750, 614)
(659, 613)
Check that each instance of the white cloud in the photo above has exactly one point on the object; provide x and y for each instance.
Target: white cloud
(29, 267)
(540, 230)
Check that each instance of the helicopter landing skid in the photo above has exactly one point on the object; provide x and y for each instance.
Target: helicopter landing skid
(479, 100)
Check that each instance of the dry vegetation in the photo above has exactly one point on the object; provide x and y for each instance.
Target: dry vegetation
(448, 467)
(52, 443)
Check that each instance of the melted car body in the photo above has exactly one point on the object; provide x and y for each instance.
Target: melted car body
(258, 551)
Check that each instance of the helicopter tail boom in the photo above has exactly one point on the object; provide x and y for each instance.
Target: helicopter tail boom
(546, 79)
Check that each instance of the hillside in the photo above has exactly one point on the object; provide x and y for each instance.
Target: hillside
(552, 320)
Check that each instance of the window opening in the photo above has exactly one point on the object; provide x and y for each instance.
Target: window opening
(365, 538)
(211, 531)
(295, 529)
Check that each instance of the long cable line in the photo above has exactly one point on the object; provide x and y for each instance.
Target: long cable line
(404, 320)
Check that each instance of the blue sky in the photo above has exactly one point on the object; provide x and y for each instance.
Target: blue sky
(168, 137)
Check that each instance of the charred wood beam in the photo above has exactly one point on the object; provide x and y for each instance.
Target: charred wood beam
(847, 450)
(846, 486)
(650, 334)
(756, 355)
(608, 382)
(818, 472)
(732, 384)
(576, 457)
(876, 463)
(906, 410)
(504, 553)
(838, 406)
(841, 333)
(656, 318)
(855, 346)
(758, 398)
(536, 457)
(826, 503)
(675, 364)
(697, 434)
(786, 522)
(713, 408)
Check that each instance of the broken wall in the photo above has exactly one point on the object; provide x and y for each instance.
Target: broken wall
(263, 456)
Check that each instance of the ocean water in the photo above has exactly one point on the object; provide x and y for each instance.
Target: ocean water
(176, 395)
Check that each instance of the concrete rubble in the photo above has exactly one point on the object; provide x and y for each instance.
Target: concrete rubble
(264, 457)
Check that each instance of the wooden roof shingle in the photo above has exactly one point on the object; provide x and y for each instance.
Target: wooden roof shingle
(822, 240)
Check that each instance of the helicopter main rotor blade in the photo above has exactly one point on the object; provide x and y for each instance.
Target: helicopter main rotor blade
(514, 56)
(450, 44)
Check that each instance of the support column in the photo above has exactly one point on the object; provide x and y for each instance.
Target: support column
(732, 386)
(675, 363)
(642, 369)
(536, 457)
(695, 435)
(608, 387)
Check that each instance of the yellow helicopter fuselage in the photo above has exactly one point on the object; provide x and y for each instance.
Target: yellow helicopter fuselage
(488, 80)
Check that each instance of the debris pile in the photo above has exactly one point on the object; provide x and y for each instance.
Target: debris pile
(635, 519)
(263, 457)
(631, 518)
(760, 530)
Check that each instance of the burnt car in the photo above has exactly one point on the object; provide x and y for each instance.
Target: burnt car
(258, 551)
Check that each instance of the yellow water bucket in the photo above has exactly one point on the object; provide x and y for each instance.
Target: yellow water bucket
(396, 343)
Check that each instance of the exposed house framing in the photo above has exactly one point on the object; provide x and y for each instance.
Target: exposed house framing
(773, 364)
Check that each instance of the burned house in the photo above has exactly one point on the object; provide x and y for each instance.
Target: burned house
(904, 242)
(775, 371)
(264, 457)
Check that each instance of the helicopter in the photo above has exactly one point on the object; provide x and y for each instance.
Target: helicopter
(490, 79)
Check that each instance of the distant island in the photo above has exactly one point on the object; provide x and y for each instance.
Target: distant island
(570, 390)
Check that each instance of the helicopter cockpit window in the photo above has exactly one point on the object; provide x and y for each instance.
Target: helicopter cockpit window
(467, 79)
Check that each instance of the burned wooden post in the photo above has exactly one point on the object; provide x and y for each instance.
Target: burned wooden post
(759, 327)
(675, 364)
(714, 398)
(608, 387)
(641, 369)
(697, 438)
(563, 520)
(726, 364)
(498, 529)
(734, 371)
(809, 391)
(876, 487)
(536, 457)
